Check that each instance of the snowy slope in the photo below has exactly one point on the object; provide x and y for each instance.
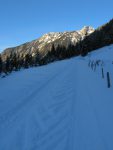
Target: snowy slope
(62, 106)
(105, 53)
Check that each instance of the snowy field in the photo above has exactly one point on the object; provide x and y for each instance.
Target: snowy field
(65, 105)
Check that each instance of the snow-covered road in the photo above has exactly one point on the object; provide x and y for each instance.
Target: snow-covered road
(62, 106)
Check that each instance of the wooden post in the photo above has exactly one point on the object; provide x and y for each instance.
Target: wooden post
(102, 73)
(94, 66)
(108, 80)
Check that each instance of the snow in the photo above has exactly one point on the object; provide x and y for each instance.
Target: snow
(105, 53)
(50, 37)
(62, 106)
(72, 36)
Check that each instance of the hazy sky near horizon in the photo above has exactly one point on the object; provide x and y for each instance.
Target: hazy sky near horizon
(25, 20)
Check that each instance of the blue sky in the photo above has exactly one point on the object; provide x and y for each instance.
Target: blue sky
(26, 20)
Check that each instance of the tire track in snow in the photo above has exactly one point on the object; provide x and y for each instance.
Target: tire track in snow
(51, 130)
(14, 112)
(54, 117)
(90, 99)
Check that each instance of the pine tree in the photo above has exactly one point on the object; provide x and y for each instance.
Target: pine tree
(13, 62)
(28, 61)
(36, 58)
(7, 65)
(21, 61)
(58, 50)
(53, 50)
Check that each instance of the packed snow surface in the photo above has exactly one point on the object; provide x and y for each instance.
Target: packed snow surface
(65, 105)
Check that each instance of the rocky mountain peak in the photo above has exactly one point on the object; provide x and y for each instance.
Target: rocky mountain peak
(86, 30)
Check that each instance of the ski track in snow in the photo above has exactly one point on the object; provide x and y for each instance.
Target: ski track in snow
(62, 106)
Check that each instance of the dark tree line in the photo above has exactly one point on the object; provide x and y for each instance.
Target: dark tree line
(62, 52)
(15, 62)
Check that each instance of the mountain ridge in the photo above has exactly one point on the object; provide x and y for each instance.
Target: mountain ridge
(45, 42)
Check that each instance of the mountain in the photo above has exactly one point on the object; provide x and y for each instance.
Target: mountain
(44, 43)
(65, 105)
